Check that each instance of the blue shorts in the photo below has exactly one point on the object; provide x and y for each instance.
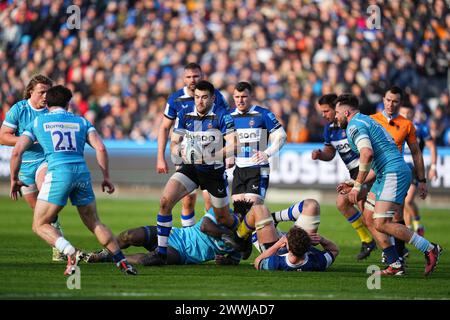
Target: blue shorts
(67, 181)
(28, 170)
(392, 186)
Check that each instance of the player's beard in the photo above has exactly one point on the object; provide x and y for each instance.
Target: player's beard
(342, 123)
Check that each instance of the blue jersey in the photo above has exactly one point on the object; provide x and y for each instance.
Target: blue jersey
(422, 134)
(386, 157)
(336, 137)
(314, 260)
(195, 247)
(18, 118)
(253, 129)
(180, 100)
(206, 132)
(62, 135)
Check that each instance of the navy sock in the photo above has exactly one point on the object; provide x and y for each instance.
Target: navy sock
(391, 254)
(118, 256)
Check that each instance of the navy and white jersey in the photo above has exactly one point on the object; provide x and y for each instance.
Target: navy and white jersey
(315, 260)
(206, 132)
(180, 100)
(337, 138)
(253, 128)
(18, 118)
(422, 134)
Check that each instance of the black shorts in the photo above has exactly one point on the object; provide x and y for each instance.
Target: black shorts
(354, 173)
(250, 180)
(213, 181)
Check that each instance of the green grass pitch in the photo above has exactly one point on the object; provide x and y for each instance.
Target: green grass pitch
(26, 270)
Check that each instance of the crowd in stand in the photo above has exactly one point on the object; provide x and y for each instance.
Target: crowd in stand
(128, 56)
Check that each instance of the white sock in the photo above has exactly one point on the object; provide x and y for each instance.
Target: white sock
(64, 246)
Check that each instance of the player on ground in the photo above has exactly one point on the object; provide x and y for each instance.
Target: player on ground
(377, 149)
(402, 130)
(411, 211)
(336, 140)
(63, 136)
(33, 167)
(176, 102)
(255, 126)
(295, 252)
(200, 243)
(305, 214)
(203, 137)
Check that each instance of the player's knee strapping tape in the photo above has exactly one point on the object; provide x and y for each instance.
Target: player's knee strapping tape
(387, 214)
(265, 222)
(308, 222)
(32, 188)
(369, 205)
(185, 181)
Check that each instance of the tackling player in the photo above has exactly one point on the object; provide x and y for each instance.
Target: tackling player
(378, 150)
(63, 136)
(402, 130)
(336, 140)
(33, 167)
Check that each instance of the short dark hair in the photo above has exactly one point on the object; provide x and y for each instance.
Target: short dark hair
(348, 99)
(298, 241)
(396, 90)
(192, 66)
(35, 80)
(328, 99)
(58, 96)
(244, 85)
(205, 86)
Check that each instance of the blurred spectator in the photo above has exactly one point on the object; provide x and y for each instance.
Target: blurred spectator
(128, 55)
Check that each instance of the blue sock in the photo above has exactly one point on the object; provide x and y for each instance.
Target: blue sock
(189, 220)
(164, 226)
(391, 254)
(421, 243)
(118, 256)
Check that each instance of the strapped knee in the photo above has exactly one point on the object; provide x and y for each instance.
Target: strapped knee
(387, 214)
(265, 222)
(308, 222)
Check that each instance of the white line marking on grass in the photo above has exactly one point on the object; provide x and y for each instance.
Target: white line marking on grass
(191, 295)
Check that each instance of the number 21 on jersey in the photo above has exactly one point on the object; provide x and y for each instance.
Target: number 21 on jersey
(63, 136)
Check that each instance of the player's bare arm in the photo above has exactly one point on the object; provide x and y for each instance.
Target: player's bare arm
(277, 139)
(7, 136)
(327, 154)
(23, 143)
(420, 169)
(271, 251)
(101, 154)
(431, 145)
(163, 133)
(212, 229)
(175, 147)
(365, 160)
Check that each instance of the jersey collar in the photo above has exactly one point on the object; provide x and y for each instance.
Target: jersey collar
(31, 106)
(58, 110)
(208, 114)
(250, 110)
(293, 265)
(185, 93)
